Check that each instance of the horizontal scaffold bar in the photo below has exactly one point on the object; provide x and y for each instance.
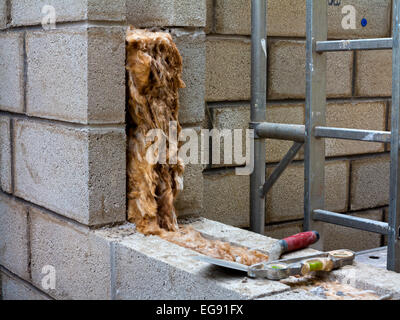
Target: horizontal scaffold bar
(361, 44)
(352, 134)
(351, 221)
(280, 131)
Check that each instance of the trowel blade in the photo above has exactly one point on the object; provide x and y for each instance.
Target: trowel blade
(223, 263)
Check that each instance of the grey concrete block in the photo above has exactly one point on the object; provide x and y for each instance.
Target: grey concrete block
(3, 14)
(280, 231)
(14, 236)
(210, 16)
(226, 198)
(233, 17)
(136, 266)
(51, 167)
(190, 199)
(151, 268)
(77, 75)
(5, 154)
(369, 115)
(14, 288)
(107, 176)
(228, 68)
(106, 10)
(28, 12)
(370, 183)
(238, 117)
(286, 72)
(12, 71)
(78, 173)
(374, 74)
(57, 75)
(285, 200)
(192, 47)
(106, 75)
(81, 260)
(166, 13)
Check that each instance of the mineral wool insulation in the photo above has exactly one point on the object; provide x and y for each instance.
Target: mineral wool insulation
(154, 68)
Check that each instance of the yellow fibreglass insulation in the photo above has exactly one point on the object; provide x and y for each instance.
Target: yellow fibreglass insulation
(154, 68)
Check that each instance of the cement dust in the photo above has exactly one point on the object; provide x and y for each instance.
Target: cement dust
(154, 68)
(329, 290)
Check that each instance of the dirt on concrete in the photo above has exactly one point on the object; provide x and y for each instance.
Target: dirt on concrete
(329, 290)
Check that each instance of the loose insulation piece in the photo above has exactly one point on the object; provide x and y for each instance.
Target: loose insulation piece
(154, 68)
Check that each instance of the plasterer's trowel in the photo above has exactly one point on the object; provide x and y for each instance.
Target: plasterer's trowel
(289, 244)
(282, 269)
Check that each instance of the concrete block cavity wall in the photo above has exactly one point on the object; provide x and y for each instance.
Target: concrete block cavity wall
(358, 92)
(63, 137)
(63, 143)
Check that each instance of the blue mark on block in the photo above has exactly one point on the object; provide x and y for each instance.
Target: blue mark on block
(364, 22)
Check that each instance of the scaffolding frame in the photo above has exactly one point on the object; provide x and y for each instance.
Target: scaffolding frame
(312, 135)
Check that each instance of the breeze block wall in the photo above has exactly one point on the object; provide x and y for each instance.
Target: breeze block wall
(358, 96)
(62, 124)
(63, 139)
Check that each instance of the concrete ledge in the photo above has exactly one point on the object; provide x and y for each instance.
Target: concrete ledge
(366, 277)
(152, 268)
(120, 263)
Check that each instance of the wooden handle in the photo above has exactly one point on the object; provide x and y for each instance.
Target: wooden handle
(318, 264)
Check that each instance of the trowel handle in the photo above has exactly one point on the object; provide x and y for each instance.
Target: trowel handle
(299, 241)
(319, 264)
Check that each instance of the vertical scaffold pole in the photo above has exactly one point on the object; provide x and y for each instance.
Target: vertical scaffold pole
(314, 158)
(258, 110)
(393, 259)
